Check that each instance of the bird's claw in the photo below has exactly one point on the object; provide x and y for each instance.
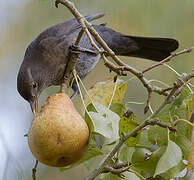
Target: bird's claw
(77, 50)
(74, 95)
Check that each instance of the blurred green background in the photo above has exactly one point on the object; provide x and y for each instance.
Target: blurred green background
(22, 20)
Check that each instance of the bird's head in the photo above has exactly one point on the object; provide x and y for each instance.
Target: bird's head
(30, 83)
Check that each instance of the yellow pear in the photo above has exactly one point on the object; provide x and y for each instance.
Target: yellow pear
(58, 135)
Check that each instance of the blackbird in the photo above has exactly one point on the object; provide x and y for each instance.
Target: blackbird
(46, 57)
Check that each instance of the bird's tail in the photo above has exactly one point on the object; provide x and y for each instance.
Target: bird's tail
(155, 49)
(143, 47)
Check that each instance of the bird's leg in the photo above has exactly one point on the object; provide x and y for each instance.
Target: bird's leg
(75, 89)
(72, 60)
(78, 49)
(74, 94)
(74, 52)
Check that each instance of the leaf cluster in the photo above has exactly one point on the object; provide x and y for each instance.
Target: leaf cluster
(154, 152)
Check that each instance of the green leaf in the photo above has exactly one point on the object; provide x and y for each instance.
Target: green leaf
(127, 123)
(185, 94)
(144, 142)
(90, 163)
(105, 122)
(91, 107)
(158, 135)
(184, 129)
(171, 157)
(191, 154)
(118, 108)
(175, 171)
(146, 162)
(191, 147)
(89, 121)
(99, 140)
(102, 92)
(126, 153)
(109, 176)
(128, 176)
(132, 176)
(156, 178)
(104, 128)
(140, 154)
(178, 109)
(183, 143)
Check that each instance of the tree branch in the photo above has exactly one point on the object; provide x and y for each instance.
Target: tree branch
(116, 171)
(161, 124)
(34, 170)
(71, 63)
(186, 50)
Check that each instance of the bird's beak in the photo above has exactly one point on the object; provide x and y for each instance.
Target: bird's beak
(34, 106)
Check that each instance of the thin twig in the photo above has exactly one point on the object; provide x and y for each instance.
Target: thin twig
(79, 37)
(161, 124)
(117, 172)
(34, 170)
(113, 94)
(187, 84)
(122, 165)
(186, 50)
(146, 109)
(182, 120)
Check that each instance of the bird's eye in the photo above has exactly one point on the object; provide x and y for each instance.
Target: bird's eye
(34, 84)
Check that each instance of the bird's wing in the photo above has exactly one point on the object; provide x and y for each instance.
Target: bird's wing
(58, 33)
(56, 40)
(54, 47)
(73, 25)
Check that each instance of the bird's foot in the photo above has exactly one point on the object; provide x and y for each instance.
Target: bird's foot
(77, 50)
(74, 94)
(75, 90)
